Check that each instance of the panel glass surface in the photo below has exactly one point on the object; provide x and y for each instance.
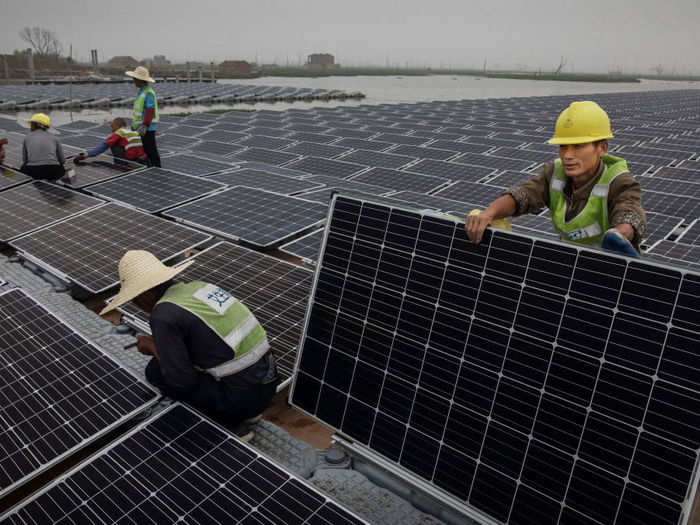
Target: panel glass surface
(193, 165)
(266, 181)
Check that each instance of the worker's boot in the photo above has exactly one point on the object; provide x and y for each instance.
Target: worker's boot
(253, 420)
(244, 432)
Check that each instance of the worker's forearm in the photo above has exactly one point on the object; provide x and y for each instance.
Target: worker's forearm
(504, 206)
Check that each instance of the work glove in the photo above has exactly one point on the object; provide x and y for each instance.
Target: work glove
(142, 130)
(79, 158)
(614, 241)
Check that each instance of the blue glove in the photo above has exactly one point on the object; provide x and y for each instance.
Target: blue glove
(614, 241)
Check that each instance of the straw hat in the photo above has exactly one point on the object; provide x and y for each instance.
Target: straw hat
(140, 73)
(139, 271)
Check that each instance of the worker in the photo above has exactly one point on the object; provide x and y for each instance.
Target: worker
(208, 349)
(145, 115)
(42, 153)
(3, 141)
(124, 143)
(592, 197)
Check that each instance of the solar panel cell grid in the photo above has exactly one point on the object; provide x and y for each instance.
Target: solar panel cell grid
(10, 178)
(218, 148)
(259, 141)
(466, 191)
(98, 170)
(489, 161)
(266, 156)
(193, 165)
(401, 180)
(326, 151)
(256, 216)
(86, 248)
(450, 170)
(669, 252)
(673, 205)
(372, 145)
(335, 168)
(306, 247)
(518, 377)
(424, 152)
(378, 159)
(58, 392)
(266, 181)
(691, 235)
(178, 466)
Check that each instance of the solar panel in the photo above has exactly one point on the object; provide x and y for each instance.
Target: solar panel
(466, 191)
(663, 153)
(99, 170)
(520, 380)
(450, 170)
(655, 160)
(680, 254)
(84, 142)
(268, 168)
(13, 150)
(424, 152)
(691, 235)
(686, 164)
(671, 187)
(349, 185)
(175, 141)
(442, 204)
(59, 391)
(510, 178)
(30, 207)
(220, 135)
(498, 163)
(306, 247)
(319, 166)
(673, 205)
(677, 174)
(275, 291)
(155, 189)
(229, 126)
(267, 156)
(193, 165)
(317, 150)
(371, 145)
(187, 131)
(351, 133)
(201, 475)
(255, 216)
(312, 137)
(462, 147)
(260, 141)
(378, 159)
(218, 148)
(86, 249)
(10, 178)
(78, 126)
(401, 180)
(266, 181)
(639, 168)
(522, 154)
(408, 140)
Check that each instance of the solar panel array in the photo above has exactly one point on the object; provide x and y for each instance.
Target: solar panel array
(86, 248)
(524, 380)
(275, 291)
(266, 181)
(58, 391)
(306, 247)
(10, 178)
(201, 475)
(98, 170)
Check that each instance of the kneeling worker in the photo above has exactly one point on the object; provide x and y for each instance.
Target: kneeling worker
(208, 349)
(42, 153)
(592, 197)
(124, 143)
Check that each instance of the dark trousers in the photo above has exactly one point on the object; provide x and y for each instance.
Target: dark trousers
(119, 152)
(149, 146)
(226, 404)
(50, 172)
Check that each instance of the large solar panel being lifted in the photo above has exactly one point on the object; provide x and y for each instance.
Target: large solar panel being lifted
(155, 189)
(10, 178)
(450, 170)
(520, 380)
(195, 472)
(265, 180)
(401, 180)
(256, 216)
(306, 247)
(680, 254)
(267, 156)
(691, 235)
(371, 145)
(466, 191)
(498, 163)
(86, 249)
(326, 151)
(58, 391)
(673, 205)
(193, 165)
(378, 159)
(275, 291)
(320, 166)
(98, 170)
(30, 207)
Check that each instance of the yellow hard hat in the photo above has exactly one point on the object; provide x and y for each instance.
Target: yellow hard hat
(41, 119)
(581, 122)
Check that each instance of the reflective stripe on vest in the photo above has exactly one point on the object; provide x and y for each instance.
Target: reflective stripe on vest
(137, 117)
(589, 226)
(133, 139)
(230, 319)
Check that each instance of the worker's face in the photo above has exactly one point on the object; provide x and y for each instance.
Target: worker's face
(146, 301)
(115, 125)
(580, 161)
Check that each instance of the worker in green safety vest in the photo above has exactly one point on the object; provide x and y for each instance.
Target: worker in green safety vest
(592, 197)
(145, 115)
(208, 348)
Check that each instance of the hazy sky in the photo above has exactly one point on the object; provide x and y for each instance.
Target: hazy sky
(593, 35)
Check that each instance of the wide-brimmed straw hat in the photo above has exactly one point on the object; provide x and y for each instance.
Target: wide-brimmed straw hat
(140, 73)
(139, 271)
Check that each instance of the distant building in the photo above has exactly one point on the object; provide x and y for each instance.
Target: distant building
(160, 61)
(235, 67)
(123, 61)
(321, 61)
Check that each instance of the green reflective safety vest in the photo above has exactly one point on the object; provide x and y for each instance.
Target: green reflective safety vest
(589, 226)
(229, 318)
(133, 139)
(137, 117)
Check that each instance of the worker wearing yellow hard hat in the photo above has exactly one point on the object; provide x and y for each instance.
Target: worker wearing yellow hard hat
(42, 153)
(592, 197)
